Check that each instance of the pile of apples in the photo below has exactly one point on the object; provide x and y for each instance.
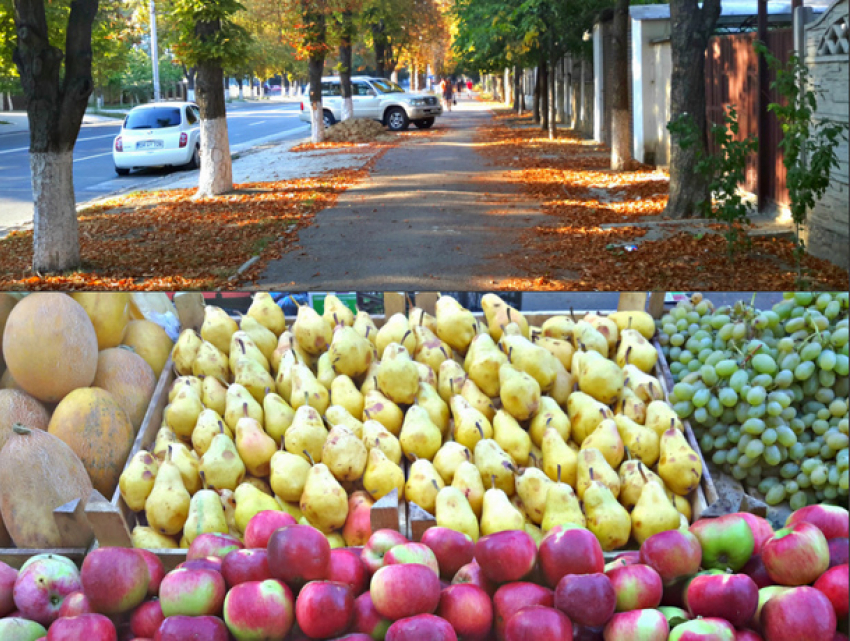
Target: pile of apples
(726, 579)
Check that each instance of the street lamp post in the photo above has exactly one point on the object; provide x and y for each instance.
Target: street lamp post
(154, 53)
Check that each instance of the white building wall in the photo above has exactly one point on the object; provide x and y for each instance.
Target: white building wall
(651, 69)
(598, 82)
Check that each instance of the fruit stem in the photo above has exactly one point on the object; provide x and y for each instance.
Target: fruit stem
(21, 429)
(492, 481)
(309, 458)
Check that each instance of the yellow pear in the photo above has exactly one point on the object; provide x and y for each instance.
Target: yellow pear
(370, 379)
(633, 476)
(306, 390)
(189, 465)
(344, 454)
(455, 324)
(165, 436)
(293, 509)
(653, 513)
(628, 404)
(430, 350)
(192, 381)
(532, 359)
(532, 486)
(453, 512)
(646, 387)
(562, 507)
(336, 312)
(283, 378)
(185, 351)
(639, 320)
(450, 379)
(375, 435)
(535, 457)
(499, 314)
(209, 424)
(259, 483)
(307, 434)
(167, 506)
(214, 394)
(477, 398)
(137, 480)
(338, 415)
(586, 413)
(587, 338)
(377, 407)
(423, 485)
(395, 330)
(482, 363)
(325, 373)
(683, 506)
(519, 392)
(419, 437)
(382, 476)
(470, 425)
(218, 328)
(559, 327)
(418, 317)
(250, 501)
(660, 417)
(398, 376)
(606, 518)
(211, 361)
(508, 433)
(350, 353)
(254, 446)
(563, 386)
(311, 332)
(146, 538)
(426, 374)
(267, 312)
(206, 515)
(534, 532)
(495, 465)
(600, 378)
(277, 416)
(250, 374)
(607, 327)
(288, 475)
(559, 460)
(430, 400)
(365, 326)
(497, 512)
(324, 502)
(549, 414)
(606, 439)
(636, 350)
(240, 402)
(182, 414)
(592, 467)
(467, 479)
(679, 465)
(641, 441)
(345, 394)
(449, 457)
(262, 337)
(220, 465)
(243, 346)
(560, 349)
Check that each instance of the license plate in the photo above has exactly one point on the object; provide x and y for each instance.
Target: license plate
(149, 144)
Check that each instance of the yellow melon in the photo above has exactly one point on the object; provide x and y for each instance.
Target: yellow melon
(50, 346)
(109, 313)
(150, 342)
(130, 380)
(95, 427)
(17, 406)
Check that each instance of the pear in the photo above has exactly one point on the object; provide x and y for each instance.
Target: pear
(345, 394)
(167, 506)
(559, 327)
(562, 507)
(145, 537)
(285, 345)
(606, 439)
(448, 459)
(395, 330)
(470, 425)
(239, 402)
(185, 350)
(639, 320)
(532, 486)
(561, 349)
(254, 446)
(250, 374)
(653, 513)
(211, 361)
(478, 399)
(633, 476)
(344, 454)
(189, 465)
(324, 502)
(559, 460)
(377, 407)
(679, 466)
(277, 416)
(646, 387)
(338, 415)
(450, 379)
(519, 392)
(587, 338)
(336, 312)
(660, 417)
(497, 512)
(418, 317)
(288, 475)
(563, 385)
(260, 335)
(495, 465)
(430, 400)
(482, 363)
(375, 435)
(535, 457)
(426, 374)
(306, 390)
(283, 378)
(455, 324)
(182, 414)
(221, 466)
(467, 479)
(192, 381)
(453, 511)
(606, 518)
(325, 373)
(382, 476)
(592, 467)
(534, 532)
(629, 405)
(600, 378)
(605, 326)
(259, 483)
(228, 505)
(218, 328)
(365, 326)
(636, 350)
(307, 434)
(370, 379)
(242, 346)
(508, 433)
(137, 480)
(430, 350)
(549, 414)
(206, 515)
(532, 359)
(165, 436)
(398, 376)
(641, 441)
(350, 353)
(267, 313)
(214, 394)
(311, 332)
(498, 314)
(293, 509)
(682, 505)
(419, 437)
(423, 485)
(249, 502)
(586, 413)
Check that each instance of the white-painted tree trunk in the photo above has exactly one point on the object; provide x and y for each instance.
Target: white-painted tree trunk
(55, 228)
(190, 95)
(348, 108)
(216, 166)
(317, 122)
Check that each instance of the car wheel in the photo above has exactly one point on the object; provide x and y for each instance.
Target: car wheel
(424, 124)
(330, 121)
(397, 120)
(195, 160)
(122, 172)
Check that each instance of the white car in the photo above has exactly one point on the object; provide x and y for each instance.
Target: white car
(379, 99)
(160, 134)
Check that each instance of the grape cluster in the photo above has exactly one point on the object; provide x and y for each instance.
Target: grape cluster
(766, 392)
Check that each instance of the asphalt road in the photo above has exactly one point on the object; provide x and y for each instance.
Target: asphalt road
(94, 173)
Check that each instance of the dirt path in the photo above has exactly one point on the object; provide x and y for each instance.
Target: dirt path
(432, 215)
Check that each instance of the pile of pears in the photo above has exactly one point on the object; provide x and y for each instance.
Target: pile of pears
(488, 424)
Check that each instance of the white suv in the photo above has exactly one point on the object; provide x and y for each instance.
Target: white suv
(379, 99)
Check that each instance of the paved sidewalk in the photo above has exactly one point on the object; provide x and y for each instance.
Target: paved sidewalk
(434, 214)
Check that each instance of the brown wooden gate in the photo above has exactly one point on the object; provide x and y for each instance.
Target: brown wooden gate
(731, 68)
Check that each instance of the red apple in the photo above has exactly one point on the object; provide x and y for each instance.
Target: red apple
(796, 555)
(18, 629)
(733, 597)
(298, 554)
(248, 564)
(412, 553)
(114, 579)
(674, 592)
(324, 609)
(358, 524)
(637, 625)
(354, 636)
(674, 615)
(539, 623)
(8, 574)
(453, 549)
(213, 563)
(381, 542)
(755, 569)
(146, 619)
(91, 627)
(703, 630)
(569, 551)
(469, 610)
(742, 634)
(186, 628)
(506, 556)
(259, 610)
(587, 599)
(75, 604)
(834, 584)
(637, 587)
(512, 597)
(262, 524)
(673, 554)
(192, 593)
(367, 619)
(155, 569)
(421, 627)
(42, 584)
(629, 557)
(587, 633)
(347, 567)
(798, 614)
(471, 573)
(765, 594)
(761, 528)
(726, 542)
(405, 590)
(833, 520)
(212, 544)
(839, 552)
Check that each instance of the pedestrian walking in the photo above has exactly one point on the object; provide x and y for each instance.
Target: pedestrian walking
(469, 88)
(448, 97)
(460, 86)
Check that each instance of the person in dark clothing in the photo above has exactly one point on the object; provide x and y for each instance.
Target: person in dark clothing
(448, 93)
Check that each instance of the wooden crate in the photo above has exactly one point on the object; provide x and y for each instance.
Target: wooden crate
(77, 537)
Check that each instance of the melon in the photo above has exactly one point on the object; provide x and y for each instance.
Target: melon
(7, 302)
(150, 341)
(109, 313)
(98, 430)
(130, 380)
(38, 473)
(50, 346)
(17, 406)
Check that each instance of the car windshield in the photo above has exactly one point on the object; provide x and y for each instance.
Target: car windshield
(385, 86)
(153, 118)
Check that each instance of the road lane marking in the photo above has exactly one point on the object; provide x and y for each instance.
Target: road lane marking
(18, 149)
(257, 123)
(108, 153)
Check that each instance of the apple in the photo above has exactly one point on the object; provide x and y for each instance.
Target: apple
(587, 599)
(248, 564)
(506, 556)
(469, 610)
(754, 568)
(743, 634)
(587, 633)
(799, 614)
(796, 555)
(75, 604)
(709, 629)
(733, 597)
(41, 586)
(833, 520)
(367, 619)
(347, 567)
(405, 590)
(91, 627)
(358, 524)
(471, 573)
(18, 629)
(761, 528)
(673, 554)
(206, 563)
(453, 549)
(765, 594)
(114, 579)
(8, 575)
(298, 554)
(637, 625)
(566, 551)
(421, 627)
(412, 553)
(539, 623)
(259, 610)
(187, 628)
(839, 552)
(834, 584)
(324, 609)
(212, 544)
(381, 542)
(839, 636)
(146, 619)
(155, 569)
(354, 636)
(262, 524)
(512, 597)
(637, 587)
(674, 615)
(727, 542)
(192, 593)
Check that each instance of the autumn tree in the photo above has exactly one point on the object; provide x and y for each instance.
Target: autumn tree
(620, 121)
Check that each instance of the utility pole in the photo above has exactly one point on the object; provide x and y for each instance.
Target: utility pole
(154, 53)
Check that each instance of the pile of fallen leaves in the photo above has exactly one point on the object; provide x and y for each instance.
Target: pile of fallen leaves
(357, 130)
(570, 177)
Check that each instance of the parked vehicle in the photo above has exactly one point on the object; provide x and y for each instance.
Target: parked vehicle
(379, 99)
(161, 134)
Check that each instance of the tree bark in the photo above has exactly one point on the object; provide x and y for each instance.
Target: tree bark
(620, 152)
(379, 39)
(551, 100)
(690, 28)
(315, 66)
(347, 29)
(517, 89)
(535, 108)
(543, 75)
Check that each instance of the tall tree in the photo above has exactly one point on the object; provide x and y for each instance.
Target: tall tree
(620, 149)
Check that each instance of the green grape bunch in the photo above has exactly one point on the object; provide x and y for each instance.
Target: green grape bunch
(766, 392)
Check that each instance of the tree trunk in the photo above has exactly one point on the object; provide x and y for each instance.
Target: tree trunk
(535, 108)
(543, 75)
(346, 31)
(690, 28)
(316, 65)
(559, 91)
(518, 89)
(379, 39)
(552, 118)
(216, 176)
(620, 152)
